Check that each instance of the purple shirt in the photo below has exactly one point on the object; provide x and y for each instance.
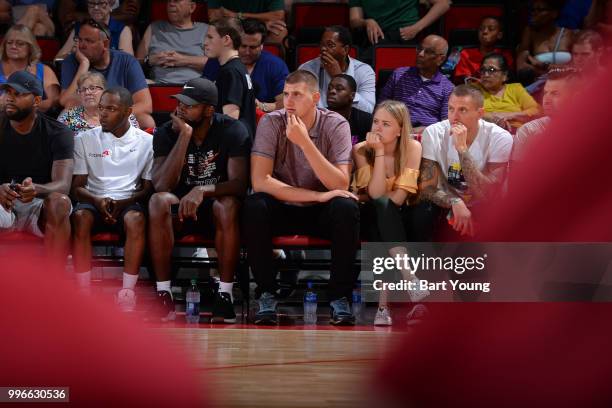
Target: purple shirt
(427, 101)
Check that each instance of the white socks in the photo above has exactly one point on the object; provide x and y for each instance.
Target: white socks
(227, 288)
(129, 281)
(83, 279)
(164, 285)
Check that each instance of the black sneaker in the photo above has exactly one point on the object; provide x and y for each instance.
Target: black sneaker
(267, 310)
(341, 313)
(223, 309)
(165, 306)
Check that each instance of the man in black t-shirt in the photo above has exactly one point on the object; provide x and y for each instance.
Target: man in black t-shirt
(234, 85)
(35, 167)
(200, 171)
(340, 94)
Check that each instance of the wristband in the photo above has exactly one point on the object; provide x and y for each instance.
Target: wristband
(455, 200)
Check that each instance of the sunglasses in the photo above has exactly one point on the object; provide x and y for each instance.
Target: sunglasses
(99, 26)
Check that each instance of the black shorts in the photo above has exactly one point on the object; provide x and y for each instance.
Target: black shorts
(99, 224)
(205, 224)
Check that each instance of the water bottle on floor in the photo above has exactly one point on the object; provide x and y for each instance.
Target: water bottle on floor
(192, 310)
(357, 304)
(310, 305)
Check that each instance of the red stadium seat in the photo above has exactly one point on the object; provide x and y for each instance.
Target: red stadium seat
(160, 94)
(393, 56)
(468, 16)
(274, 49)
(158, 11)
(306, 52)
(49, 47)
(319, 15)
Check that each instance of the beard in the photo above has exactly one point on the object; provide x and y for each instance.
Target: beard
(195, 123)
(20, 114)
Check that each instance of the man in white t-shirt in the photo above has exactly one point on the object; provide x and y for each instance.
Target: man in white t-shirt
(465, 160)
(112, 181)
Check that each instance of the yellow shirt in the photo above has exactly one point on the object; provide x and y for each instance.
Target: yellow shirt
(514, 99)
(406, 181)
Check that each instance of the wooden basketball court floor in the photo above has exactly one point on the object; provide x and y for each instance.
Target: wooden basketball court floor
(250, 366)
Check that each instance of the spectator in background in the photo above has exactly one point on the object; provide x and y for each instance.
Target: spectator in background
(111, 192)
(200, 173)
(100, 11)
(35, 167)
(34, 14)
(267, 71)
(86, 116)
(490, 32)
(270, 12)
(300, 172)
(340, 94)
(507, 105)
(393, 22)
(71, 11)
(557, 90)
(20, 51)
(119, 69)
(423, 88)
(543, 43)
(600, 18)
(334, 60)
(236, 94)
(587, 50)
(463, 166)
(173, 48)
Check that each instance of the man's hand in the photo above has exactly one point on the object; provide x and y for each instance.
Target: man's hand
(459, 133)
(276, 27)
(462, 219)
(328, 195)
(116, 207)
(27, 190)
(171, 59)
(227, 13)
(188, 206)
(409, 32)
(180, 126)
(374, 31)
(105, 207)
(374, 140)
(330, 64)
(296, 131)
(80, 57)
(7, 196)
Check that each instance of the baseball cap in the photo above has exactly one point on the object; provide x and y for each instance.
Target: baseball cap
(24, 82)
(198, 90)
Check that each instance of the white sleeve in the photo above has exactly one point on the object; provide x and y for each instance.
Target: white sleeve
(147, 173)
(80, 163)
(501, 146)
(430, 143)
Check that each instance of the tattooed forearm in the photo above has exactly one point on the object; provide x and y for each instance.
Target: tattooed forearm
(428, 184)
(437, 196)
(478, 181)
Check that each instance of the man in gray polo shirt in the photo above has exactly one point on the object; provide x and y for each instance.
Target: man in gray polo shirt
(300, 172)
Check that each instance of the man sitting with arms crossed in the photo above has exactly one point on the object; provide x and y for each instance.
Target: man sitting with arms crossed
(112, 181)
(470, 154)
(200, 171)
(300, 171)
(35, 167)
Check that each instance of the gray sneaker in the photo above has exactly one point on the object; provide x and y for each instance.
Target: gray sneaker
(383, 317)
(341, 313)
(267, 310)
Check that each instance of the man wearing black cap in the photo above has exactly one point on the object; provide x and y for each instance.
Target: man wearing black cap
(200, 171)
(35, 166)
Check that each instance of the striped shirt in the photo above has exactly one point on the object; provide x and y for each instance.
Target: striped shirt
(427, 101)
(524, 135)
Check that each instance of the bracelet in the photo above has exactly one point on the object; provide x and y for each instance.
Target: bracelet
(380, 155)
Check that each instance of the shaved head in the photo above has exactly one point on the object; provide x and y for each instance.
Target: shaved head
(437, 42)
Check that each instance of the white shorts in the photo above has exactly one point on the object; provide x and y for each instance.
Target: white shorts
(23, 217)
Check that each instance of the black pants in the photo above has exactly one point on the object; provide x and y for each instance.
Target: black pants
(336, 220)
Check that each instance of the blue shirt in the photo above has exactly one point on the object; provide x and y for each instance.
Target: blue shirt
(268, 75)
(123, 70)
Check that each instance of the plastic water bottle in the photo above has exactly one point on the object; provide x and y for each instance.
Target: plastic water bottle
(451, 62)
(310, 305)
(357, 304)
(192, 311)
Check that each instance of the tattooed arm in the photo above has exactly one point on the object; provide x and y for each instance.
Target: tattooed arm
(428, 184)
(481, 182)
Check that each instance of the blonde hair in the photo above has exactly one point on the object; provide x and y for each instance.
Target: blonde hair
(400, 113)
(28, 37)
(92, 75)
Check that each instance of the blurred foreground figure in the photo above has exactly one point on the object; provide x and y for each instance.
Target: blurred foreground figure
(52, 337)
(525, 354)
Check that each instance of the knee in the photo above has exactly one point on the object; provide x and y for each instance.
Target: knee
(57, 207)
(225, 210)
(134, 222)
(82, 220)
(159, 204)
(344, 208)
(381, 202)
(256, 204)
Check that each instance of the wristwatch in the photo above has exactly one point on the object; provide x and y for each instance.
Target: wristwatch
(455, 200)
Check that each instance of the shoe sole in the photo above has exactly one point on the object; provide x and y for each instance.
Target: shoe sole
(342, 322)
(266, 321)
(221, 319)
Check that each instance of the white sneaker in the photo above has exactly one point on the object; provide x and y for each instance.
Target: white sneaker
(383, 317)
(126, 300)
(200, 253)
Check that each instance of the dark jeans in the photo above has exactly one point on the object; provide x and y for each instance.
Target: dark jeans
(336, 220)
(383, 221)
